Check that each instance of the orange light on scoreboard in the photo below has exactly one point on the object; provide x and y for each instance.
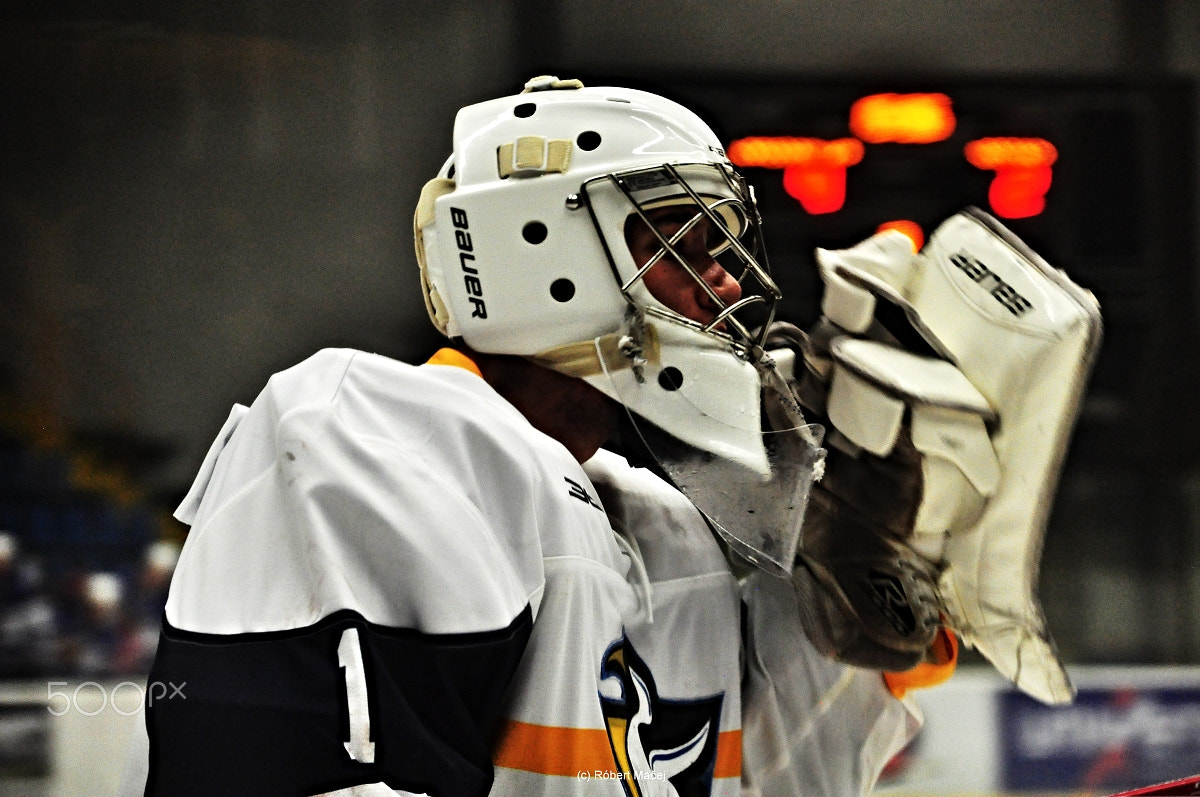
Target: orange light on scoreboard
(1023, 173)
(1001, 153)
(814, 170)
(910, 229)
(780, 152)
(902, 118)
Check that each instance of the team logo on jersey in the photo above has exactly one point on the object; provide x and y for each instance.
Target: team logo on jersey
(662, 748)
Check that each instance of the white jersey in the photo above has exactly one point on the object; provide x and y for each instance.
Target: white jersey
(395, 585)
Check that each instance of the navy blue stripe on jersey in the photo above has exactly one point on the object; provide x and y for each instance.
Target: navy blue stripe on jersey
(271, 713)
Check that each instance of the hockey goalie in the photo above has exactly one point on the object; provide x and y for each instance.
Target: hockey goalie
(622, 534)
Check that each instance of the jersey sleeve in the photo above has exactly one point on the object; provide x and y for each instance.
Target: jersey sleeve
(342, 703)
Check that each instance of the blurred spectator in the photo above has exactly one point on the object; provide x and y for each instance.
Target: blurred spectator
(28, 622)
(77, 622)
(102, 634)
(157, 569)
(145, 609)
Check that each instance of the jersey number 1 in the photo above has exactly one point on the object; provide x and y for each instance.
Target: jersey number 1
(360, 747)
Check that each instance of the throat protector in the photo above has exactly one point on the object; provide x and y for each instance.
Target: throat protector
(754, 494)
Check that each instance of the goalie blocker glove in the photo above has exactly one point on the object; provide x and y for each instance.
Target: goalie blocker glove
(941, 467)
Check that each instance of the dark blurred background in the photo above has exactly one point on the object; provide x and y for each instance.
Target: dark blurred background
(194, 195)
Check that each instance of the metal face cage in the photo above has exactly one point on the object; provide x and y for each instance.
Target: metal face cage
(711, 192)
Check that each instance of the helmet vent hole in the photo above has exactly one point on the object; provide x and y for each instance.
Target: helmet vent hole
(534, 232)
(524, 110)
(562, 290)
(670, 378)
(588, 140)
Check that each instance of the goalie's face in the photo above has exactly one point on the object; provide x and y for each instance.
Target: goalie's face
(698, 288)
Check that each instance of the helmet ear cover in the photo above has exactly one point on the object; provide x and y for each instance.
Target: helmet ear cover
(422, 218)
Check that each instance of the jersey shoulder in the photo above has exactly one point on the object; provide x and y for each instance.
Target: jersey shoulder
(412, 495)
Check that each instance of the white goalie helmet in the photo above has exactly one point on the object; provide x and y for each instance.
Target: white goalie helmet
(521, 240)
(522, 247)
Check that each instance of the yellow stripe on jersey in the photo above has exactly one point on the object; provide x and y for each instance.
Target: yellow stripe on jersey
(456, 358)
(550, 750)
(729, 755)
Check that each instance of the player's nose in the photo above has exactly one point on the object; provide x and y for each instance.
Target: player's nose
(727, 289)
